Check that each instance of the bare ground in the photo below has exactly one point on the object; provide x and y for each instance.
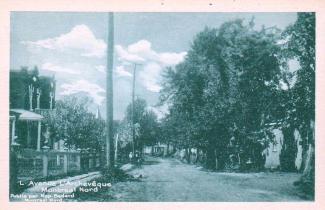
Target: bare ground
(171, 180)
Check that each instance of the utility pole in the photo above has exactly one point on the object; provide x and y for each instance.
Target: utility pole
(133, 128)
(116, 147)
(109, 94)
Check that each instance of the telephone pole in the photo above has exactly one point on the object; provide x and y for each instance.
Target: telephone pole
(133, 92)
(109, 94)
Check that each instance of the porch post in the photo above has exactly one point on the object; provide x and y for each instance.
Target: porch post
(78, 162)
(28, 134)
(45, 164)
(39, 136)
(13, 130)
(65, 163)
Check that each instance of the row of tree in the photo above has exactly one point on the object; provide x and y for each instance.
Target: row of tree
(78, 127)
(146, 125)
(235, 83)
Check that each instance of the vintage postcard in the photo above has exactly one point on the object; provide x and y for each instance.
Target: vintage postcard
(198, 106)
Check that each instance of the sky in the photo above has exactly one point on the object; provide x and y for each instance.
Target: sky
(72, 46)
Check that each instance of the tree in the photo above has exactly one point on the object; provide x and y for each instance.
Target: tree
(227, 79)
(148, 132)
(253, 65)
(72, 122)
(300, 45)
(145, 121)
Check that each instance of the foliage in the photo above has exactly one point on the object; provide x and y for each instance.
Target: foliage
(72, 122)
(145, 122)
(300, 45)
(229, 79)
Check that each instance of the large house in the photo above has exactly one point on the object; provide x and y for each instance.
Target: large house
(30, 96)
(38, 155)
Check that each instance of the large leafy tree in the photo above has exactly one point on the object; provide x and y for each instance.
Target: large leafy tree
(253, 65)
(145, 123)
(300, 45)
(227, 80)
(72, 122)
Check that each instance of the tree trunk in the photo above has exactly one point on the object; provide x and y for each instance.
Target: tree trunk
(309, 168)
(221, 160)
(307, 180)
(187, 155)
(289, 150)
(167, 149)
(211, 158)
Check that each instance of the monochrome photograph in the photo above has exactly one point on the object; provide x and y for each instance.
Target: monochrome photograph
(161, 106)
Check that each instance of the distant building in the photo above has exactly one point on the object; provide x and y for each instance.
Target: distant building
(159, 149)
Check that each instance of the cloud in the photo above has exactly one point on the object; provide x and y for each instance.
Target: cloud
(80, 39)
(59, 69)
(83, 86)
(150, 76)
(141, 52)
(140, 47)
(152, 62)
(143, 49)
(125, 56)
(121, 72)
(100, 68)
(172, 59)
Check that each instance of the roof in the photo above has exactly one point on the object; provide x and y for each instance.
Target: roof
(27, 115)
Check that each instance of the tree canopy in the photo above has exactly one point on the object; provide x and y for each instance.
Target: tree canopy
(72, 122)
(145, 124)
(230, 86)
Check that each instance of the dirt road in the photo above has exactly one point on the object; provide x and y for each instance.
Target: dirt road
(171, 180)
